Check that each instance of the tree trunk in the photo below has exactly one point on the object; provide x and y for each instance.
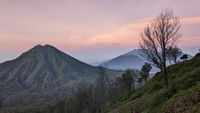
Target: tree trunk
(175, 60)
(165, 74)
(170, 62)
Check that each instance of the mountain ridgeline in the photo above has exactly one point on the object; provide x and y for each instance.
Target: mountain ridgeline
(132, 60)
(42, 75)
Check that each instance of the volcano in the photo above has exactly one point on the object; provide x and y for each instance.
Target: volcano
(42, 75)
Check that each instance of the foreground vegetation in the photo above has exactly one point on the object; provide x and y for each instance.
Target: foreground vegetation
(181, 96)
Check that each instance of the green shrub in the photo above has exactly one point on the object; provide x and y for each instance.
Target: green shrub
(137, 94)
(153, 87)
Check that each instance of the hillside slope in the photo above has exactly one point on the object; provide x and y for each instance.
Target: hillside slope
(181, 96)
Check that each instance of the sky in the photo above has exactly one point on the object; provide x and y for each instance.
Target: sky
(89, 30)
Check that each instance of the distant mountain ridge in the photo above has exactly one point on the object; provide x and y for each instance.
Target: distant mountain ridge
(131, 59)
(41, 73)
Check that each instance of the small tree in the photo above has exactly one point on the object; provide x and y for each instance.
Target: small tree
(127, 80)
(184, 57)
(102, 79)
(157, 38)
(173, 53)
(101, 88)
(144, 72)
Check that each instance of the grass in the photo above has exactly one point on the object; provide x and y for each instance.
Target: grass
(181, 96)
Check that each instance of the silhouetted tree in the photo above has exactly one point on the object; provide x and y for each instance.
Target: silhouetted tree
(173, 53)
(102, 79)
(184, 57)
(144, 72)
(157, 38)
(127, 81)
(101, 91)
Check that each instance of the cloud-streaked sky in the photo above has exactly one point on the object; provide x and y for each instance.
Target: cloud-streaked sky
(89, 30)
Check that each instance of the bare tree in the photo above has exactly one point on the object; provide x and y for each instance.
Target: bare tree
(162, 34)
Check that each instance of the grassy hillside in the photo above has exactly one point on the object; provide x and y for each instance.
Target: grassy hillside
(181, 96)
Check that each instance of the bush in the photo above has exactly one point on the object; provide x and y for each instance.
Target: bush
(137, 94)
(153, 87)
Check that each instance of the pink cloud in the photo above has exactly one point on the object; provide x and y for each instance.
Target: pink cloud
(126, 36)
(190, 20)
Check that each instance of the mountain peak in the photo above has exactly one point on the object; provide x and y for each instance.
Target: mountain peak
(43, 49)
(42, 46)
(42, 67)
(133, 52)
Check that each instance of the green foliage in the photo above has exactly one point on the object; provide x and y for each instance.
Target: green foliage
(185, 101)
(155, 86)
(144, 73)
(136, 94)
(126, 81)
(181, 96)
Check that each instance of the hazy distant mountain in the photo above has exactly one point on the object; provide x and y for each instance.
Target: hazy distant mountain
(97, 63)
(42, 74)
(132, 59)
